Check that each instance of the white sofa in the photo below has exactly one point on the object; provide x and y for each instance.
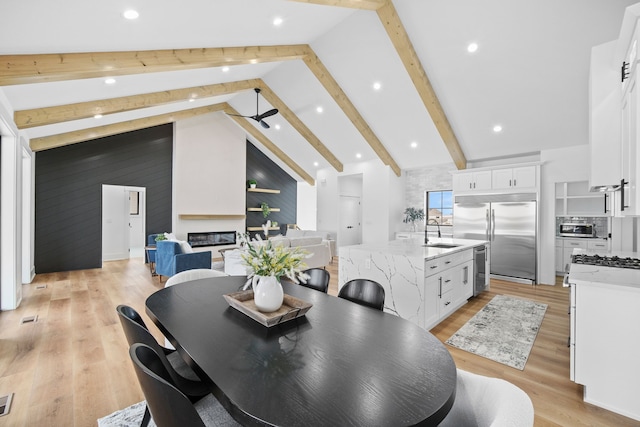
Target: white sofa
(328, 236)
(318, 249)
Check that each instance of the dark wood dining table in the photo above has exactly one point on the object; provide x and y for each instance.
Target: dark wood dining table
(342, 364)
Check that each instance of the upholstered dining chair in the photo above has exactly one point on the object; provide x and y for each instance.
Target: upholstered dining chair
(364, 292)
(169, 407)
(484, 401)
(183, 376)
(195, 274)
(318, 279)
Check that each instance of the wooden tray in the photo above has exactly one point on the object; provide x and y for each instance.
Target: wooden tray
(292, 307)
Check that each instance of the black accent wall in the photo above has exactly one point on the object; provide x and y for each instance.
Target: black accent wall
(270, 175)
(68, 193)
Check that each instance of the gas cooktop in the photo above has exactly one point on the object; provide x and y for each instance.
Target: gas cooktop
(606, 261)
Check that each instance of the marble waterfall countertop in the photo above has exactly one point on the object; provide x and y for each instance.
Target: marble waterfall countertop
(415, 248)
(581, 273)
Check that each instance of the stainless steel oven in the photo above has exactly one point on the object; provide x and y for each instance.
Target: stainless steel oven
(576, 229)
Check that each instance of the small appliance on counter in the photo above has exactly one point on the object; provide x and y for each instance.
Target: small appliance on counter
(575, 229)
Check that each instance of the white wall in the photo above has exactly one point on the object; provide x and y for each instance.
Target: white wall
(307, 206)
(209, 174)
(559, 165)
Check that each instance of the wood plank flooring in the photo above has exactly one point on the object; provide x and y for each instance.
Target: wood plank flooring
(72, 366)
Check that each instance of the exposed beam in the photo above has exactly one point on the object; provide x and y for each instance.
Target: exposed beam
(62, 139)
(400, 39)
(259, 136)
(38, 68)
(322, 74)
(352, 4)
(302, 129)
(61, 113)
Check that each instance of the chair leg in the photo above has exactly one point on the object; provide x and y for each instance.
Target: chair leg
(146, 417)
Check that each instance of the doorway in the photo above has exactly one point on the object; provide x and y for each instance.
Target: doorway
(123, 222)
(350, 219)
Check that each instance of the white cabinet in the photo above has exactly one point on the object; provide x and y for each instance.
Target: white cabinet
(565, 246)
(575, 199)
(472, 181)
(630, 196)
(448, 285)
(521, 177)
(559, 256)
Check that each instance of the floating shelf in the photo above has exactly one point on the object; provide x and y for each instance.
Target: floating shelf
(261, 229)
(263, 190)
(260, 209)
(211, 216)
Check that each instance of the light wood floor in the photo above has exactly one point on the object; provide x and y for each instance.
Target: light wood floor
(71, 366)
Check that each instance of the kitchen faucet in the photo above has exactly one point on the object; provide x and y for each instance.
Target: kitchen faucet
(426, 236)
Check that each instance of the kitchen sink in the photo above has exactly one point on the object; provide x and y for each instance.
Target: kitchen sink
(441, 245)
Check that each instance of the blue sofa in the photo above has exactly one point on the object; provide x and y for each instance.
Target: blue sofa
(171, 260)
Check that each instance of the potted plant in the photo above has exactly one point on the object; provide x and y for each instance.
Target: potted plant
(266, 210)
(252, 183)
(411, 215)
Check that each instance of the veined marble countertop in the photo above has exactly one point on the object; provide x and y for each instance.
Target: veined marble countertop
(581, 273)
(415, 248)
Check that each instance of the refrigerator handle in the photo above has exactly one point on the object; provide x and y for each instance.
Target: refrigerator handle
(488, 227)
(493, 224)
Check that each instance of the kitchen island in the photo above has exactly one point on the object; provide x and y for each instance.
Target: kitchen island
(605, 326)
(422, 283)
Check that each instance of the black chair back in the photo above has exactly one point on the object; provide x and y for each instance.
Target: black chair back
(318, 279)
(169, 407)
(364, 292)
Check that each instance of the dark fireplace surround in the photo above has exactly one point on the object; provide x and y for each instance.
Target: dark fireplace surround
(211, 238)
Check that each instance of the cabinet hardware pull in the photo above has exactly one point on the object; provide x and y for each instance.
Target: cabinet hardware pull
(624, 71)
(447, 281)
(470, 185)
(433, 266)
(447, 303)
(509, 183)
(466, 275)
(605, 203)
(447, 262)
(622, 184)
(514, 182)
(440, 290)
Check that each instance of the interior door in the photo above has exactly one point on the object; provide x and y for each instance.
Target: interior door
(350, 231)
(115, 223)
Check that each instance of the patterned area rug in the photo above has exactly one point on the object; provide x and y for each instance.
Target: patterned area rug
(504, 330)
(127, 417)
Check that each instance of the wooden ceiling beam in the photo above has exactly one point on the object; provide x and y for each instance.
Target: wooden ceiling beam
(266, 142)
(38, 68)
(324, 76)
(352, 4)
(400, 39)
(68, 138)
(25, 119)
(299, 126)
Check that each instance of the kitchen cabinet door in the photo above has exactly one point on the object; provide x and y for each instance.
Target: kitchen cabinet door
(512, 178)
(560, 259)
(466, 280)
(472, 181)
(629, 196)
(432, 300)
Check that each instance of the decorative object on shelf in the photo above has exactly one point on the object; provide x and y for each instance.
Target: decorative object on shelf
(265, 228)
(411, 215)
(252, 183)
(267, 264)
(266, 210)
(274, 223)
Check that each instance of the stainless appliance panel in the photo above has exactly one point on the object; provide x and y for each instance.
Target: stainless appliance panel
(471, 221)
(480, 280)
(513, 239)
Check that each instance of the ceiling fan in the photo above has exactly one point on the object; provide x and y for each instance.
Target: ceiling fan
(259, 117)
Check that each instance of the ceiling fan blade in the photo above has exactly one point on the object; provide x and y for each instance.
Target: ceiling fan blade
(264, 124)
(268, 113)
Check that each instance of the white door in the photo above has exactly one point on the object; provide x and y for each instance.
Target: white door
(350, 232)
(136, 223)
(115, 223)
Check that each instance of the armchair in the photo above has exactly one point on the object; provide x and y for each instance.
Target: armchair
(151, 241)
(170, 259)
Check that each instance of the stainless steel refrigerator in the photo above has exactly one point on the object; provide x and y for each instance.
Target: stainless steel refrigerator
(509, 223)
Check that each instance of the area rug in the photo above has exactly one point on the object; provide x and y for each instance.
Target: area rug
(504, 330)
(127, 417)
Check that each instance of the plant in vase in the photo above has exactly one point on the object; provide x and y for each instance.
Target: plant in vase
(252, 183)
(266, 265)
(266, 210)
(411, 215)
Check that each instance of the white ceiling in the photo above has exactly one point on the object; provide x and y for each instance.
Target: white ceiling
(529, 74)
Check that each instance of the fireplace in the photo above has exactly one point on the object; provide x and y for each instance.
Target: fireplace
(211, 238)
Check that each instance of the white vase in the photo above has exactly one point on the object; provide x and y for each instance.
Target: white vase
(267, 293)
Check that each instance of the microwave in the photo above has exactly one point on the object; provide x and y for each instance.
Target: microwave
(572, 229)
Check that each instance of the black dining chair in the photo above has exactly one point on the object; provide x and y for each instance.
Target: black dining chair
(364, 292)
(318, 279)
(182, 375)
(168, 405)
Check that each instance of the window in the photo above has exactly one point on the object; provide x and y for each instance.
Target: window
(440, 207)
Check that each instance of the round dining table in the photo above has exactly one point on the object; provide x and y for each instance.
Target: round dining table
(341, 364)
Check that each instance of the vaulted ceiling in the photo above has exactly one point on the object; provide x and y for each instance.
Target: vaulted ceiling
(436, 102)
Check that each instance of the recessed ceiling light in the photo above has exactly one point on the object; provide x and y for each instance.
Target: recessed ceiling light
(131, 14)
(358, 155)
(110, 81)
(319, 109)
(497, 128)
(316, 164)
(377, 86)
(225, 69)
(277, 126)
(97, 116)
(414, 144)
(277, 21)
(472, 47)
